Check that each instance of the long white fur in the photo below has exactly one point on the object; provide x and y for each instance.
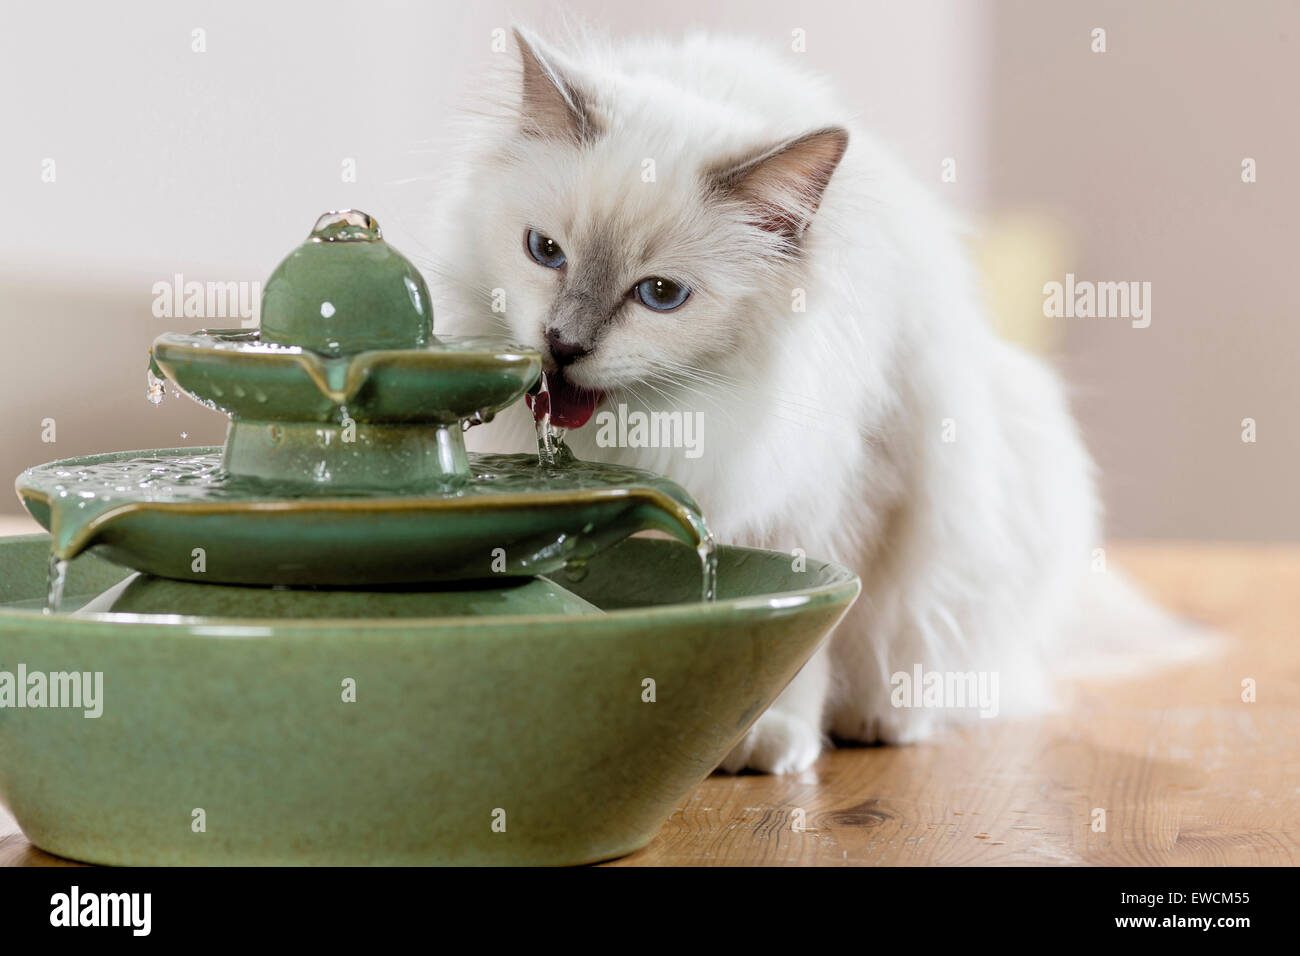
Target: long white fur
(825, 429)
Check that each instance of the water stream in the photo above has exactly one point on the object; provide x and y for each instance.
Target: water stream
(551, 451)
(56, 579)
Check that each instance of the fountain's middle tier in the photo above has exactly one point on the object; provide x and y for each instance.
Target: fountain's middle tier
(179, 514)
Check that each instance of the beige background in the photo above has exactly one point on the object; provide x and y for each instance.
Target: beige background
(1116, 166)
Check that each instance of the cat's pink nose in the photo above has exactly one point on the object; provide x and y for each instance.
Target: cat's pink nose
(563, 352)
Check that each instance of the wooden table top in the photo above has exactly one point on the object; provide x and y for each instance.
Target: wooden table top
(1187, 773)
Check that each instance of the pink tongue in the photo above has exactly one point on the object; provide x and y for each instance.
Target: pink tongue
(570, 406)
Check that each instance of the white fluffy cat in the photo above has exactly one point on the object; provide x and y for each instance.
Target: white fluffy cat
(699, 226)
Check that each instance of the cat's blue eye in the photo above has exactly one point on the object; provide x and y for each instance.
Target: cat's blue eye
(662, 295)
(544, 250)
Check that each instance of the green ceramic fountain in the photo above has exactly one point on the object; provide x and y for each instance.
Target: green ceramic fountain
(339, 638)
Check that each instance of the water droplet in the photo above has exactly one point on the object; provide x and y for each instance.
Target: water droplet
(708, 568)
(156, 389)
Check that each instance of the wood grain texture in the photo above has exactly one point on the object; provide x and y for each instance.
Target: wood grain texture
(1187, 773)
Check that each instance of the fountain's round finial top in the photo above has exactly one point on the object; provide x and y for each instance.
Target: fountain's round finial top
(346, 290)
(346, 225)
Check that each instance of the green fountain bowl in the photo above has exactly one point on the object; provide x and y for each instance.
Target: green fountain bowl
(559, 737)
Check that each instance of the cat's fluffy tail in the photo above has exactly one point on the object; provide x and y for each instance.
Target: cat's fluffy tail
(1119, 632)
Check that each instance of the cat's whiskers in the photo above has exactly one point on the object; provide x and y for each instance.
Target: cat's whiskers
(479, 292)
(805, 416)
(809, 413)
(680, 379)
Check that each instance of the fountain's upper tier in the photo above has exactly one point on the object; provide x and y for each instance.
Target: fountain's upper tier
(345, 382)
(443, 383)
(346, 290)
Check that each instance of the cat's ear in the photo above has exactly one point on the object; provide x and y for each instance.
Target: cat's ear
(552, 104)
(783, 184)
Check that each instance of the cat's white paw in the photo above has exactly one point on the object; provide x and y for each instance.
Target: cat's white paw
(777, 743)
(860, 723)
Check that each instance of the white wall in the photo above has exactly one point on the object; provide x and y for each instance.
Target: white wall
(1136, 155)
(168, 159)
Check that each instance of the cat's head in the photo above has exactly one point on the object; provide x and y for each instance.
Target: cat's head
(636, 229)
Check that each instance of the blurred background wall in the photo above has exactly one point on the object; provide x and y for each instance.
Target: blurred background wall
(201, 139)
